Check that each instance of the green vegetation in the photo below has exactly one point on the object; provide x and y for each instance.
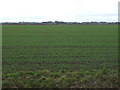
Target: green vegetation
(60, 49)
(61, 79)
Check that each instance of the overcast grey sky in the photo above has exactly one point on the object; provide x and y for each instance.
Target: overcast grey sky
(60, 10)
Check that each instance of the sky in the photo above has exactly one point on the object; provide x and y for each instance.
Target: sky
(58, 10)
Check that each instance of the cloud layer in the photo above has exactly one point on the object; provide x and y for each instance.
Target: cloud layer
(61, 10)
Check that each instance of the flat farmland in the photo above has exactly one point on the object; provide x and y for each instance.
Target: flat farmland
(59, 48)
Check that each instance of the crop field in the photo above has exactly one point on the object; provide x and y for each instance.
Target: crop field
(57, 55)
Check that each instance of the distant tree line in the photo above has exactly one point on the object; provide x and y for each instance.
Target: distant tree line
(56, 23)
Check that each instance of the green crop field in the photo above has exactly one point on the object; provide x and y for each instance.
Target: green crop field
(60, 55)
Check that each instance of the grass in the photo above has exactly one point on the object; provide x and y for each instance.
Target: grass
(56, 48)
(61, 79)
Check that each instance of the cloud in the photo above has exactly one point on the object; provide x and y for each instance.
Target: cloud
(63, 10)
